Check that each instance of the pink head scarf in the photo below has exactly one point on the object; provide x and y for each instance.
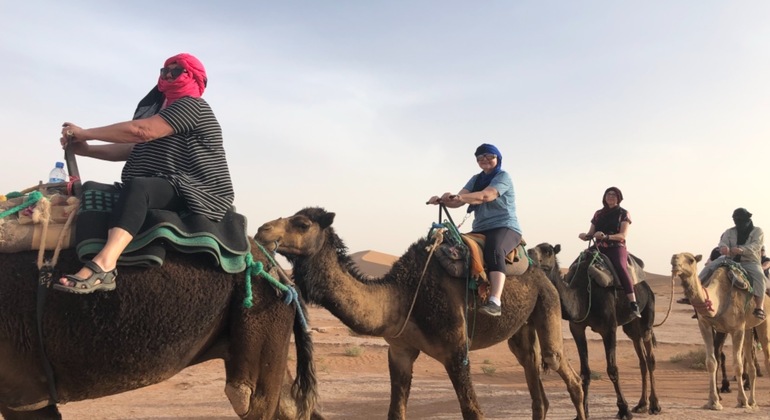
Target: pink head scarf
(192, 83)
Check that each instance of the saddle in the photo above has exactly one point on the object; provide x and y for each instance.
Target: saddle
(453, 258)
(602, 272)
(736, 273)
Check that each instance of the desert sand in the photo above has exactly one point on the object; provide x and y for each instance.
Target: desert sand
(354, 383)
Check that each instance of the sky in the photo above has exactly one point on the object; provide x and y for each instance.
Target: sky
(370, 108)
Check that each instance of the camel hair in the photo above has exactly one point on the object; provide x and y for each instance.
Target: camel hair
(436, 324)
(157, 322)
(603, 309)
(722, 308)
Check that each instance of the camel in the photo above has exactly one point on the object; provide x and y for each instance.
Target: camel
(722, 308)
(157, 322)
(417, 307)
(604, 309)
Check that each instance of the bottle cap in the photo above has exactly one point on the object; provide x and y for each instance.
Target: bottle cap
(59, 164)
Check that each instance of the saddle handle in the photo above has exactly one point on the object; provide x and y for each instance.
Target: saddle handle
(72, 169)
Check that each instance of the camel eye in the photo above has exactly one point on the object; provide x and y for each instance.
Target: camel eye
(302, 224)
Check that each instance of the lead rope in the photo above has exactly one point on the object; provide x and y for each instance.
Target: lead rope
(257, 268)
(45, 276)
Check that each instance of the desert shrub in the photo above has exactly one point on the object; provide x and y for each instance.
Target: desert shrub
(694, 359)
(354, 351)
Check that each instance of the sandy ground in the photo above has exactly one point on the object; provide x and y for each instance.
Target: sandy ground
(357, 386)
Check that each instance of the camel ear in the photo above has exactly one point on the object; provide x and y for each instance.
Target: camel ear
(698, 258)
(326, 220)
(556, 249)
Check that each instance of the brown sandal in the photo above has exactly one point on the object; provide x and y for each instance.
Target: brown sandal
(99, 280)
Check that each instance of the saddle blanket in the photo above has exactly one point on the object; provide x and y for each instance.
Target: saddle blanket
(225, 242)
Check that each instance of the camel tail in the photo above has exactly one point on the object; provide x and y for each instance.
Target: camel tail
(304, 389)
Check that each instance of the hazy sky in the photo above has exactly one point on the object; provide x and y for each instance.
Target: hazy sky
(369, 108)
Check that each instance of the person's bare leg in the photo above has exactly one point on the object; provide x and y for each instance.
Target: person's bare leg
(117, 240)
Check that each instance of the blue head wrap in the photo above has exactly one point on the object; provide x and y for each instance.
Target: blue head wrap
(484, 179)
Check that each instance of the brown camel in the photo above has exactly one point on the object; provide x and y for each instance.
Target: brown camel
(585, 305)
(417, 307)
(157, 322)
(725, 309)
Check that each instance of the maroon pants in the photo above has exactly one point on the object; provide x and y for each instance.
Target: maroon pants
(619, 257)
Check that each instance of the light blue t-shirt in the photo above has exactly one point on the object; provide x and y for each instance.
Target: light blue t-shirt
(500, 212)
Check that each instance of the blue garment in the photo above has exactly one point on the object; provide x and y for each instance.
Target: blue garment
(500, 212)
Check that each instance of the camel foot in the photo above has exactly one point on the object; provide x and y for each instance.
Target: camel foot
(640, 408)
(716, 406)
(624, 414)
(654, 408)
(725, 389)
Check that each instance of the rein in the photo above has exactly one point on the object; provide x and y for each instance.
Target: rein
(593, 259)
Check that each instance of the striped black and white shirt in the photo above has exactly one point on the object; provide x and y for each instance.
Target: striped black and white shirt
(192, 159)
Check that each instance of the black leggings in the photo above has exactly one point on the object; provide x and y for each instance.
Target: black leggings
(140, 195)
(497, 244)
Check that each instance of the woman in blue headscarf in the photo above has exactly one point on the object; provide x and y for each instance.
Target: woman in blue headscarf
(490, 196)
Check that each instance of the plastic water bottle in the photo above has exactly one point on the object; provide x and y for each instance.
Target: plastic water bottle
(57, 174)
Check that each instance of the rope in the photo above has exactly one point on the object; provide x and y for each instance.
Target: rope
(33, 198)
(257, 268)
(670, 303)
(439, 237)
(456, 237)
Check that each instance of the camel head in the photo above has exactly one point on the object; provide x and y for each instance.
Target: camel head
(685, 265)
(544, 256)
(303, 234)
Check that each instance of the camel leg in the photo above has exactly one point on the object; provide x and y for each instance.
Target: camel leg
(711, 365)
(749, 354)
(50, 412)
(632, 330)
(763, 335)
(578, 332)
(551, 344)
(738, 339)
(651, 364)
(609, 338)
(522, 345)
(719, 343)
(460, 374)
(401, 365)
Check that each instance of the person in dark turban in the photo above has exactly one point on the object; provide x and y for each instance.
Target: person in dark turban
(490, 197)
(175, 160)
(743, 244)
(609, 227)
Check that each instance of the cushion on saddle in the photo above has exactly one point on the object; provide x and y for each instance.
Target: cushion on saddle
(226, 241)
(514, 265)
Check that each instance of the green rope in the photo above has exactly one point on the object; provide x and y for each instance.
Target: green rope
(257, 268)
(33, 198)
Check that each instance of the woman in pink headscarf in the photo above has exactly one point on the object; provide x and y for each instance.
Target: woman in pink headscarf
(175, 160)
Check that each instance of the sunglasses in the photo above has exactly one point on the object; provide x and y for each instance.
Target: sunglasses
(175, 72)
(487, 156)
